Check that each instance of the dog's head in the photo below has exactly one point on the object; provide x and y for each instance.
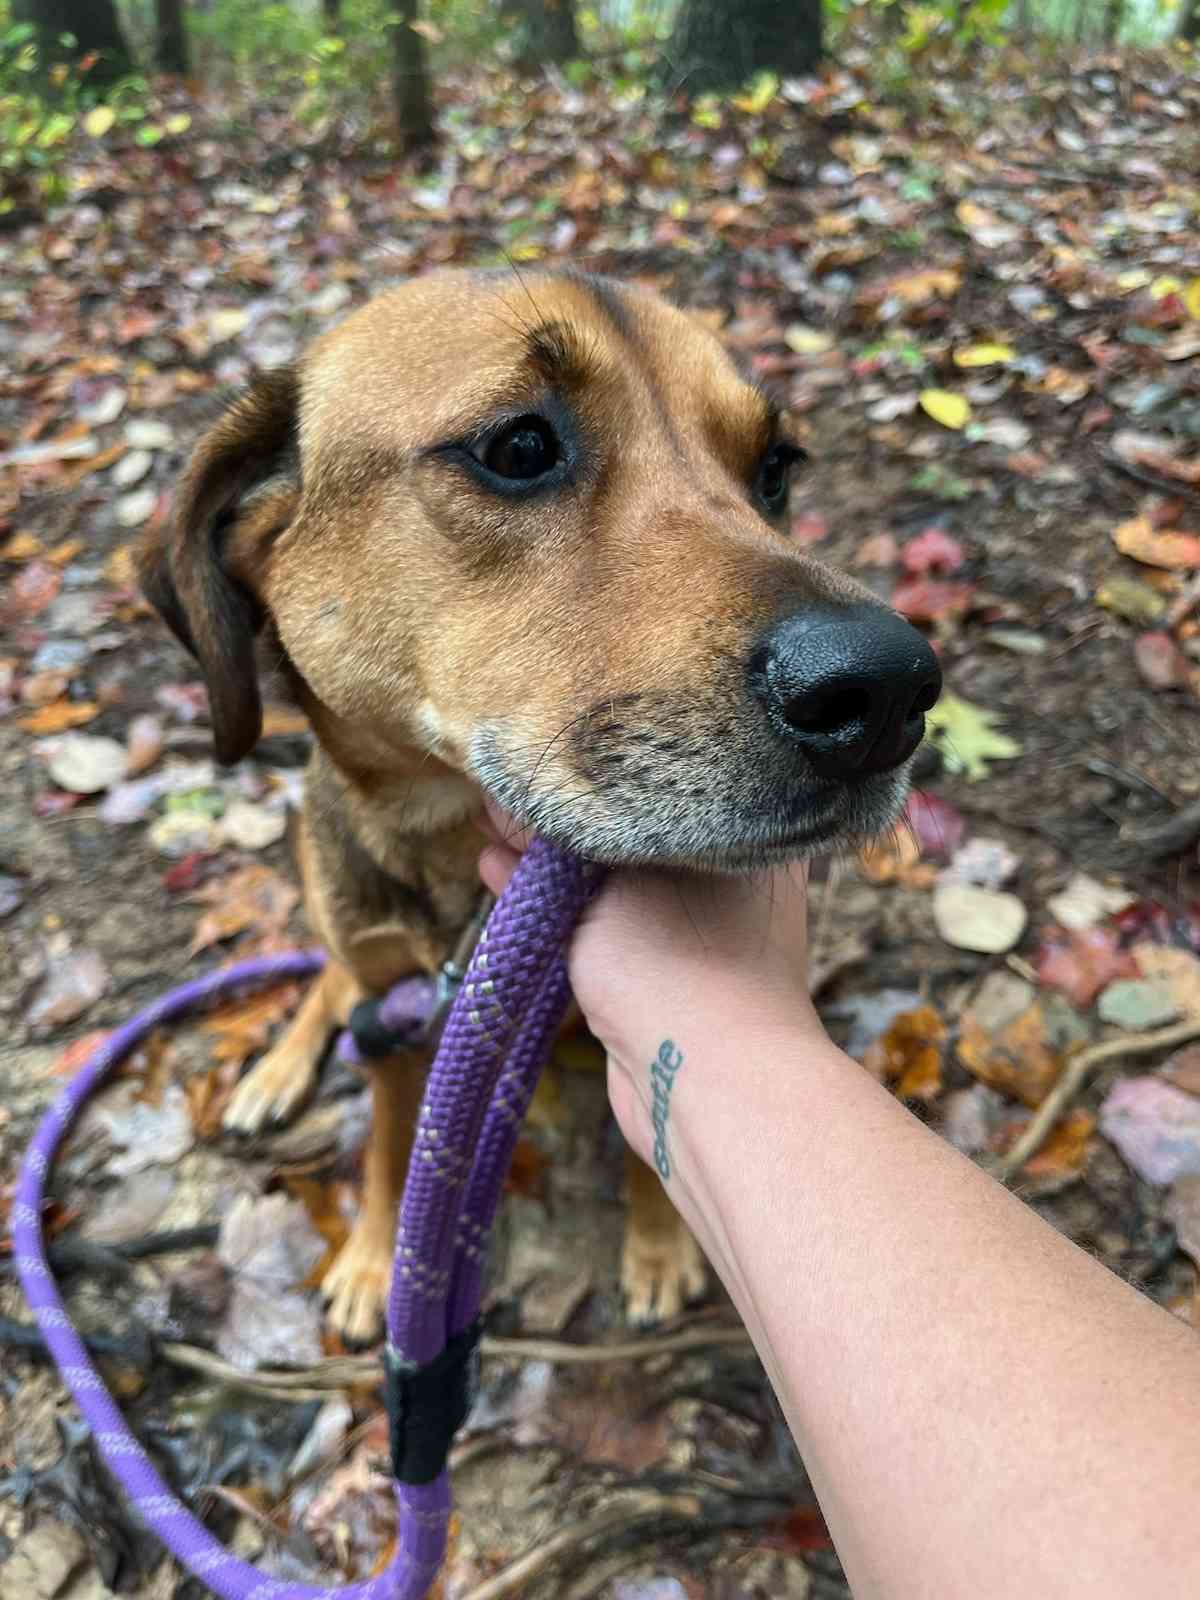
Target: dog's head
(536, 530)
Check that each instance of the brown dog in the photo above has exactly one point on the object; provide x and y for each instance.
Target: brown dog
(522, 536)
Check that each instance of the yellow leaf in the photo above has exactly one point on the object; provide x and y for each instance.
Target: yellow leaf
(1162, 287)
(760, 94)
(984, 355)
(946, 407)
(1136, 278)
(1191, 299)
(179, 123)
(99, 120)
(807, 341)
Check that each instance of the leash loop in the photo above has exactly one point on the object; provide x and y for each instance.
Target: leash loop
(497, 1036)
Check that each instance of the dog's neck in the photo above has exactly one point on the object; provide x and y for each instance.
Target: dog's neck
(416, 799)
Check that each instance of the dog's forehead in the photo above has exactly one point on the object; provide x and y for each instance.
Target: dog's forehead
(426, 355)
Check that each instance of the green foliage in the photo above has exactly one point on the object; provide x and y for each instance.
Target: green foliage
(40, 110)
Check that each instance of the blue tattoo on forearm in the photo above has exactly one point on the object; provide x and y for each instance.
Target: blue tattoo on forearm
(662, 1079)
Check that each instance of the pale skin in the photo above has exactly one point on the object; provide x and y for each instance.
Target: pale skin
(984, 1410)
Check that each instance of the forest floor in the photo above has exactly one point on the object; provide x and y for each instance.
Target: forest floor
(984, 312)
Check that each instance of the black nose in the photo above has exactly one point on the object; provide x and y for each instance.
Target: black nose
(849, 687)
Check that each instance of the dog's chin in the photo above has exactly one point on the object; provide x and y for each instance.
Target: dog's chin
(721, 835)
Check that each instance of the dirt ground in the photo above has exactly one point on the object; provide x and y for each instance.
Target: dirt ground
(114, 292)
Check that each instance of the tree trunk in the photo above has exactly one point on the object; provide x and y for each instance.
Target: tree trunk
(170, 37)
(1189, 27)
(410, 81)
(1114, 17)
(92, 24)
(333, 15)
(547, 32)
(719, 44)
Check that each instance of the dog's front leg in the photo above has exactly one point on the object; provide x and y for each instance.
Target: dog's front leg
(271, 1091)
(662, 1266)
(356, 1284)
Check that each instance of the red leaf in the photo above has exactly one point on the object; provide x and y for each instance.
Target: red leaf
(809, 529)
(931, 599)
(932, 551)
(1081, 963)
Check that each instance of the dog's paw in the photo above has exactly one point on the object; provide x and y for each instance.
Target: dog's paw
(356, 1285)
(660, 1274)
(271, 1091)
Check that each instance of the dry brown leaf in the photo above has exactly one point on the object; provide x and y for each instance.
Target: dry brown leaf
(22, 547)
(64, 552)
(244, 1027)
(896, 860)
(1065, 1152)
(119, 569)
(910, 1051)
(59, 715)
(256, 897)
(207, 1094)
(1154, 547)
(321, 1201)
(1017, 1060)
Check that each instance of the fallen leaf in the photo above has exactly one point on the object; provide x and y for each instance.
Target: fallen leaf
(1079, 962)
(984, 355)
(270, 1247)
(98, 121)
(58, 716)
(134, 509)
(1183, 1069)
(932, 551)
(32, 590)
(86, 763)
(807, 341)
(1155, 1126)
(809, 529)
(931, 599)
(944, 406)
(910, 1051)
(253, 827)
(1017, 1058)
(1176, 970)
(1132, 599)
(73, 981)
(1160, 661)
(896, 858)
(1137, 1004)
(1140, 539)
(965, 734)
(1084, 902)
(880, 550)
(143, 743)
(143, 1134)
(972, 918)
(1065, 1152)
(988, 863)
(243, 1027)
(255, 897)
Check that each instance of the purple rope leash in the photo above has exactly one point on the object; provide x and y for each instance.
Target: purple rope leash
(495, 1042)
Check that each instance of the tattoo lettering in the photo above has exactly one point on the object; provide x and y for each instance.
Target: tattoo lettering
(662, 1078)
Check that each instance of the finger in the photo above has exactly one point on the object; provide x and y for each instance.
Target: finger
(496, 866)
(503, 828)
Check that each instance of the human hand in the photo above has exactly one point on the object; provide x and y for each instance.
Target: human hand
(678, 957)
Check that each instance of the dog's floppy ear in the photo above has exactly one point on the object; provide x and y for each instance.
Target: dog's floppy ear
(242, 480)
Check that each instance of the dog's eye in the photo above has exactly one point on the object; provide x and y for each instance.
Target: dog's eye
(771, 486)
(527, 449)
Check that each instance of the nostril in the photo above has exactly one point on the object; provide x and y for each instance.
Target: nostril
(829, 712)
(925, 700)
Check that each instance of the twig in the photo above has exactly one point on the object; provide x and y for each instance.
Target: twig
(1172, 487)
(646, 1506)
(347, 1372)
(1072, 1080)
(1169, 837)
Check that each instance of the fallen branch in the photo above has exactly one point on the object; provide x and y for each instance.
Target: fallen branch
(1074, 1075)
(348, 1372)
(647, 1506)
(1174, 488)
